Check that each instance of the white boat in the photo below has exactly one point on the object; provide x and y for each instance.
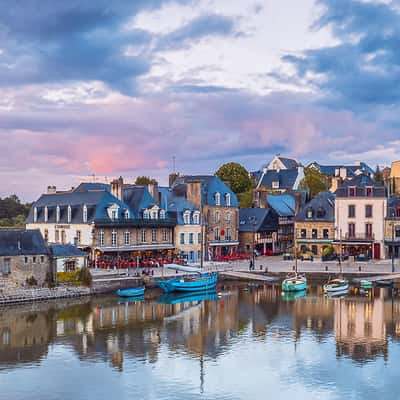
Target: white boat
(336, 285)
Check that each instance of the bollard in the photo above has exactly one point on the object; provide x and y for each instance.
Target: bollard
(261, 267)
(326, 268)
(359, 268)
(294, 268)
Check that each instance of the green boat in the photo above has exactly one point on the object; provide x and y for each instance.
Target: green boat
(365, 284)
(294, 283)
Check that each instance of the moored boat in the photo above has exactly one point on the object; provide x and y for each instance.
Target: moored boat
(131, 292)
(202, 282)
(384, 283)
(366, 284)
(336, 285)
(294, 283)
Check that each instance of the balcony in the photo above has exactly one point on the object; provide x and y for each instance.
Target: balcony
(136, 223)
(358, 237)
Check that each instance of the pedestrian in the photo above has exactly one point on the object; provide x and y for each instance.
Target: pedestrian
(251, 265)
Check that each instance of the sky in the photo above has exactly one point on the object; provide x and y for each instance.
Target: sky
(93, 87)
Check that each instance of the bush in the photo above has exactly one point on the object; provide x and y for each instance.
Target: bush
(327, 250)
(85, 276)
(77, 278)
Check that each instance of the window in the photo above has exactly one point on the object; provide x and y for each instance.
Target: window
(63, 237)
(398, 212)
(227, 234)
(216, 217)
(228, 199)
(352, 211)
(325, 233)
(196, 218)
(57, 236)
(114, 215)
(69, 214)
(42, 259)
(217, 199)
(154, 235)
(314, 249)
(46, 214)
(26, 260)
(182, 238)
(165, 235)
(162, 214)
(216, 234)
(144, 236)
(320, 213)
(186, 217)
(34, 259)
(310, 213)
(314, 233)
(114, 238)
(352, 192)
(368, 231)
(101, 238)
(78, 237)
(303, 233)
(85, 214)
(368, 191)
(35, 214)
(352, 230)
(397, 231)
(58, 214)
(199, 238)
(154, 214)
(126, 214)
(146, 214)
(190, 238)
(127, 238)
(368, 211)
(69, 266)
(6, 268)
(46, 235)
(275, 185)
(228, 217)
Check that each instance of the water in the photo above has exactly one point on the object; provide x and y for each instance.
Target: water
(251, 343)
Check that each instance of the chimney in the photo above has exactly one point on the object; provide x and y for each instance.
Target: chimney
(51, 189)
(193, 193)
(116, 187)
(171, 179)
(153, 190)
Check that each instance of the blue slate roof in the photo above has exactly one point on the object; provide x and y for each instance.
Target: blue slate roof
(322, 208)
(21, 242)
(66, 250)
(283, 204)
(138, 198)
(285, 177)
(85, 187)
(360, 183)
(257, 220)
(330, 170)
(211, 185)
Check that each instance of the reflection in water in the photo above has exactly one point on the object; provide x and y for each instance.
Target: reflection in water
(183, 345)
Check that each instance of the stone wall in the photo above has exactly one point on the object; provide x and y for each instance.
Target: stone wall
(319, 242)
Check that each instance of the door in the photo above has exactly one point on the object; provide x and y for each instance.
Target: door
(377, 251)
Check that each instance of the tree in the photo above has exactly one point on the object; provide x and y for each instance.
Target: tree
(145, 180)
(314, 181)
(236, 176)
(378, 175)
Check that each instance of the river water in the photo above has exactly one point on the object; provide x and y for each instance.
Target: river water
(248, 343)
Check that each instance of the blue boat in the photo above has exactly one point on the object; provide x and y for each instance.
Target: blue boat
(131, 292)
(205, 281)
(176, 298)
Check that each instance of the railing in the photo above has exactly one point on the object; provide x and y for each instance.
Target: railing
(138, 223)
(358, 236)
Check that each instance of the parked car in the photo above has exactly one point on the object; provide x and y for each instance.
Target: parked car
(362, 257)
(307, 256)
(287, 256)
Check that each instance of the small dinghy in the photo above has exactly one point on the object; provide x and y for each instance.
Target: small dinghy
(336, 285)
(131, 292)
(294, 283)
(366, 284)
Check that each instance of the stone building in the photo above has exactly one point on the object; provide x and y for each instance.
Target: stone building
(67, 258)
(315, 224)
(393, 181)
(392, 228)
(24, 256)
(219, 208)
(258, 227)
(360, 211)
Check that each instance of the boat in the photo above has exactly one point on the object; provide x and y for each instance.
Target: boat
(294, 283)
(336, 285)
(290, 296)
(340, 293)
(200, 283)
(366, 284)
(384, 283)
(131, 292)
(183, 297)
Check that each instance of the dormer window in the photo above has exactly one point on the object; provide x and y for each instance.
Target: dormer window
(146, 214)
(69, 214)
(154, 214)
(35, 214)
(196, 218)
(309, 213)
(275, 185)
(114, 215)
(228, 199)
(186, 217)
(352, 192)
(162, 214)
(58, 214)
(320, 213)
(85, 214)
(46, 214)
(368, 191)
(217, 199)
(126, 214)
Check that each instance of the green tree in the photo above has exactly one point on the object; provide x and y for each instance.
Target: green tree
(144, 180)
(246, 198)
(314, 181)
(236, 176)
(13, 212)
